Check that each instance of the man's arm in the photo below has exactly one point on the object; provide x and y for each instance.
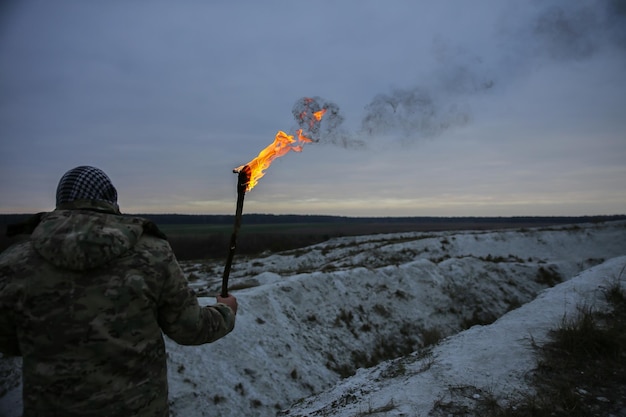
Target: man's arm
(183, 319)
(9, 345)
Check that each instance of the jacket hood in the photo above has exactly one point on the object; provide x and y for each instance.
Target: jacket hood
(85, 238)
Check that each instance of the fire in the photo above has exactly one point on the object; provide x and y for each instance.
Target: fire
(283, 143)
(319, 114)
(313, 118)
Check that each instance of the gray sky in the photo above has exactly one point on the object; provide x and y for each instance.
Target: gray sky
(449, 108)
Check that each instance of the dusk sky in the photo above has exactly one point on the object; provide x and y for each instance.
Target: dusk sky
(442, 108)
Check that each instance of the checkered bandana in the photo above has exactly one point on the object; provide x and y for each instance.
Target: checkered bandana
(85, 183)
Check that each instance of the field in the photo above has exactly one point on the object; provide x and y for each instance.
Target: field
(201, 241)
(208, 236)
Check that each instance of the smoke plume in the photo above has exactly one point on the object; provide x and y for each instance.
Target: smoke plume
(554, 32)
(329, 128)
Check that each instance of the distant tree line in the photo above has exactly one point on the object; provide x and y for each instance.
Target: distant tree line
(218, 219)
(297, 218)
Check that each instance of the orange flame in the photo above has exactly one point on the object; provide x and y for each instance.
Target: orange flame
(283, 143)
(319, 114)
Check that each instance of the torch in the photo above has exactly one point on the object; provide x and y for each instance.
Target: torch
(249, 175)
(242, 182)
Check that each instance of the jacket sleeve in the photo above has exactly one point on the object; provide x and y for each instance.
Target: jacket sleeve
(9, 345)
(182, 318)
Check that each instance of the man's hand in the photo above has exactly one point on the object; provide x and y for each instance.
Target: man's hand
(230, 301)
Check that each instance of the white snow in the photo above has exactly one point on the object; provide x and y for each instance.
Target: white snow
(308, 313)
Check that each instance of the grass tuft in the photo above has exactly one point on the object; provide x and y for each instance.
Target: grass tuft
(581, 371)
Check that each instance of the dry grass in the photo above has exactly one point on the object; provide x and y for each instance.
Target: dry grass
(581, 371)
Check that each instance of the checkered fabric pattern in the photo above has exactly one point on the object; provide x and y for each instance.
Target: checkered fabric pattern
(85, 183)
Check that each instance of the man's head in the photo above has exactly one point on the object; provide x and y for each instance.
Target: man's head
(86, 183)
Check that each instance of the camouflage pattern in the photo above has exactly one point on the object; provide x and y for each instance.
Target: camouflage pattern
(85, 301)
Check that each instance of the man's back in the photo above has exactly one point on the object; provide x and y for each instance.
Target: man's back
(87, 298)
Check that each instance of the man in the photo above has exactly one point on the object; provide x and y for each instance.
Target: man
(85, 300)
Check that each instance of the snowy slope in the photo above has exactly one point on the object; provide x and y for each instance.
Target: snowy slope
(309, 316)
(492, 360)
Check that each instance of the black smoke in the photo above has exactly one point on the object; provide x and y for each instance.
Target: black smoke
(329, 129)
(554, 32)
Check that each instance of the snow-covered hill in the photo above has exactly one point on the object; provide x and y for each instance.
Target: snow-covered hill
(484, 362)
(312, 316)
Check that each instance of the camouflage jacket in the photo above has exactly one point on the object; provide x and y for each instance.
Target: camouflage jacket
(85, 301)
